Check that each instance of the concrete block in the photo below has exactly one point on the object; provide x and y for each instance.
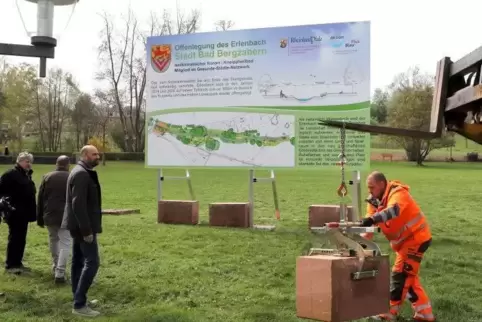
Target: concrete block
(229, 214)
(318, 215)
(184, 212)
(326, 292)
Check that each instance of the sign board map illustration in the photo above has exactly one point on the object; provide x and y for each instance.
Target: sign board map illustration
(252, 98)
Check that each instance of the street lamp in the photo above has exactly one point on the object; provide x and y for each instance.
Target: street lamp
(42, 42)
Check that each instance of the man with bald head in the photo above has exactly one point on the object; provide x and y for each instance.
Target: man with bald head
(50, 212)
(83, 218)
(392, 208)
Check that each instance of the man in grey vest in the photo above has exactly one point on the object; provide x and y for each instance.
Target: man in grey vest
(83, 218)
(50, 211)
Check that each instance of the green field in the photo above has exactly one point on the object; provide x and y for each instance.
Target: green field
(461, 148)
(152, 272)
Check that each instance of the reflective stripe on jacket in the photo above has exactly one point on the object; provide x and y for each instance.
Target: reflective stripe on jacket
(399, 216)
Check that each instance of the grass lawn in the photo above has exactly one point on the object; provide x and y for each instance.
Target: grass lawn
(461, 148)
(152, 272)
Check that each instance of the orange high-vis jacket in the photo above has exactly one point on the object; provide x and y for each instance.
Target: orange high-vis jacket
(398, 216)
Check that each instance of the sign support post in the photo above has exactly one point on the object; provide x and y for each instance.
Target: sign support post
(161, 178)
(252, 181)
(356, 195)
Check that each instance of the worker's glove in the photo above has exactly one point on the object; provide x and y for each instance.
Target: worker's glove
(367, 222)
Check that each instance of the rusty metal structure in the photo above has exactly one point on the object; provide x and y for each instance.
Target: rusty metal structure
(456, 106)
(344, 235)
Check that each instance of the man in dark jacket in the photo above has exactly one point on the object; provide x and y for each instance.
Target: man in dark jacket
(50, 211)
(83, 218)
(17, 184)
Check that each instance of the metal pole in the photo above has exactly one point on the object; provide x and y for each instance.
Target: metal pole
(159, 185)
(43, 67)
(343, 211)
(251, 197)
(356, 192)
(275, 195)
(189, 184)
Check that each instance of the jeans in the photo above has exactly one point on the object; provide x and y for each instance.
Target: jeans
(17, 238)
(85, 264)
(60, 242)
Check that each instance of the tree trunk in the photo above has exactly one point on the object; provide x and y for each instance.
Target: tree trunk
(39, 117)
(103, 143)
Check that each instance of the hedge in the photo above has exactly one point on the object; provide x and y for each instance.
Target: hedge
(51, 157)
(125, 156)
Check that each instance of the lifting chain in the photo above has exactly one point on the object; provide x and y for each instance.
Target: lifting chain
(342, 190)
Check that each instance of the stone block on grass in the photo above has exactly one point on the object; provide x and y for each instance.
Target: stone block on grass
(325, 290)
(229, 214)
(319, 215)
(180, 212)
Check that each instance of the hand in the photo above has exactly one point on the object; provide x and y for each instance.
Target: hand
(89, 239)
(367, 222)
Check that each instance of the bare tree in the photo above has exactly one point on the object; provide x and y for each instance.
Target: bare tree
(122, 55)
(224, 25)
(105, 112)
(83, 118)
(54, 97)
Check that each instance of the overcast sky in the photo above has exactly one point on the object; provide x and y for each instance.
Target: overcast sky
(403, 33)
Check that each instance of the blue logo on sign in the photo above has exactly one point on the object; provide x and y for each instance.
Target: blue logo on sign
(337, 41)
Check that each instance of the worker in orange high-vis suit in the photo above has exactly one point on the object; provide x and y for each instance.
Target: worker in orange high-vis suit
(392, 208)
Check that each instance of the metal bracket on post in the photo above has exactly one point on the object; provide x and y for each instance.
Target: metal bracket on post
(356, 196)
(252, 181)
(161, 178)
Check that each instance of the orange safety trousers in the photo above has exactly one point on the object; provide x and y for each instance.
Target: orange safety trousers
(405, 282)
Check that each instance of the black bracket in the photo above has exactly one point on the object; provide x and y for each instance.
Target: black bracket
(41, 47)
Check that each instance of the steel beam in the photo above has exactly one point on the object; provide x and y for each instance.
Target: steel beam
(362, 127)
(440, 96)
(466, 63)
(464, 97)
(27, 51)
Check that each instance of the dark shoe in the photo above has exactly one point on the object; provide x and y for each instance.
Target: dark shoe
(60, 280)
